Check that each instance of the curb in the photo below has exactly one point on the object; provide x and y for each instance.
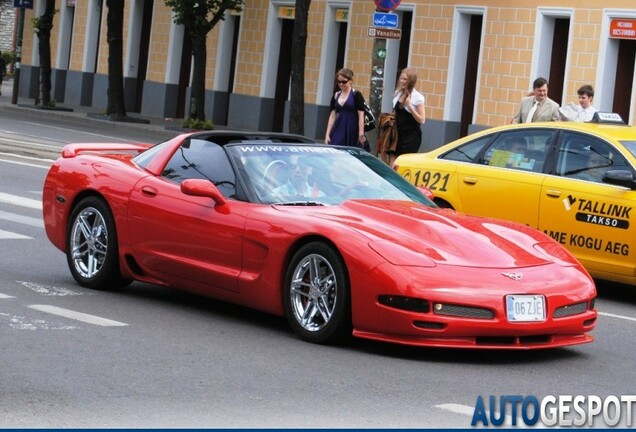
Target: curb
(68, 115)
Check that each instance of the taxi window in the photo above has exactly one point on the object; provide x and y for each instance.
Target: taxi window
(630, 146)
(520, 149)
(587, 158)
(468, 152)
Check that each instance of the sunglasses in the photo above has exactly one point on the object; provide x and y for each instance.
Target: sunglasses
(343, 82)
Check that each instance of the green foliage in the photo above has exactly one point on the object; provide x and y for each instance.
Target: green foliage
(9, 57)
(199, 15)
(197, 124)
(43, 22)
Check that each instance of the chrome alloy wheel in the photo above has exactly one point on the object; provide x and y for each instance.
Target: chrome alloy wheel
(313, 292)
(89, 242)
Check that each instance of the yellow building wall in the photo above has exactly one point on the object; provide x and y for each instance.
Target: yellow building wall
(507, 48)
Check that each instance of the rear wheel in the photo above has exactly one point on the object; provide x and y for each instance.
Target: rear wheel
(443, 204)
(91, 248)
(317, 295)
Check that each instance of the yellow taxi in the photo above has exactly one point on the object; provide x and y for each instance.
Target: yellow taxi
(574, 181)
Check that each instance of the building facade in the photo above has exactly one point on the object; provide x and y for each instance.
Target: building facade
(474, 59)
(7, 25)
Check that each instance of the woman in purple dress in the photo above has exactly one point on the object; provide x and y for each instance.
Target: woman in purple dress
(346, 119)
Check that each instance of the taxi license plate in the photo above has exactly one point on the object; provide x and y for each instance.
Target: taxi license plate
(525, 308)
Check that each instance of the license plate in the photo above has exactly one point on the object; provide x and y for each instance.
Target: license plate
(525, 308)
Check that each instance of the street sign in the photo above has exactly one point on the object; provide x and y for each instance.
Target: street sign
(623, 29)
(384, 33)
(384, 19)
(387, 5)
(27, 4)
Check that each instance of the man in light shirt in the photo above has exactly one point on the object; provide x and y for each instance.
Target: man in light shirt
(584, 111)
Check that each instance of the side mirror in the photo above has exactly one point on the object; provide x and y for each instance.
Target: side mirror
(620, 178)
(203, 188)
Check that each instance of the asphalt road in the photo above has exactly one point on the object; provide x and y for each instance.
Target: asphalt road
(149, 356)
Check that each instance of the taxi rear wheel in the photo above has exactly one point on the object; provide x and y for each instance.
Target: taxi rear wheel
(443, 204)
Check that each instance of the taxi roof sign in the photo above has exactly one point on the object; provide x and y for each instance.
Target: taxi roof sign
(607, 118)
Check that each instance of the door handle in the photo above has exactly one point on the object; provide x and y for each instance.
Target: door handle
(470, 180)
(553, 193)
(149, 191)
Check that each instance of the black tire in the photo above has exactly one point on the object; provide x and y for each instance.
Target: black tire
(317, 287)
(92, 250)
(443, 204)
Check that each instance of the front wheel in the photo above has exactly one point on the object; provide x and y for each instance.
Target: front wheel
(91, 248)
(317, 295)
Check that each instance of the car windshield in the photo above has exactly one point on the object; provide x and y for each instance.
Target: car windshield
(318, 174)
(631, 146)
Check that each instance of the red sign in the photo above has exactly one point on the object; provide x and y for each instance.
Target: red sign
(623, 29)
(387, 5)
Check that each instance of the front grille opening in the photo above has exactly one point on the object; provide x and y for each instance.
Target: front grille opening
(589, 322)
(429, 325)
(569, 310)
(529, 340)
(495, 340)
(512, 340)
(462, 311)
(410, 304)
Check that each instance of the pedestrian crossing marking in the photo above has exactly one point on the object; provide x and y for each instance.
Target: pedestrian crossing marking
(25, 220)
(21, 201)
(78, 316)
(12, 235)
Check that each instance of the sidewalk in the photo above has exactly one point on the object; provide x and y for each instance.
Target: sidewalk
(86, 116)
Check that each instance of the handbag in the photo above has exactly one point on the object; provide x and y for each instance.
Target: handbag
(369, 119)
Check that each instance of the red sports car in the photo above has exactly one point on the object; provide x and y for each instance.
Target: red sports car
(328, 236)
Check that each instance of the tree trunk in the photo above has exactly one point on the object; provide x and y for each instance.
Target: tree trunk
(44, 41)
(297, 99)
(197, 91)
(115, 22)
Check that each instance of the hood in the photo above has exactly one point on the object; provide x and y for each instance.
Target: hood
(402, 231)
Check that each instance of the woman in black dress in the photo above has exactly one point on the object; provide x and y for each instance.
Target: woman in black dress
(408, 105)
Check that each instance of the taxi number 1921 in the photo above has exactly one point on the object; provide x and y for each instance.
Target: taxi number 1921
(524, 308)
(432, 181)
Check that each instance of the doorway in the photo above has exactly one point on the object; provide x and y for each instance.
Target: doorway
(557, 59)
(470, 76)
(144, 46)
(624, 78)
(281, 94)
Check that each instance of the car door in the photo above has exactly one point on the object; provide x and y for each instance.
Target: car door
(186, 237)
(506, 181)
(591, 218)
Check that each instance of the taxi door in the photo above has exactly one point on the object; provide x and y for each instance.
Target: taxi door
(507, 184)
(594, 220)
